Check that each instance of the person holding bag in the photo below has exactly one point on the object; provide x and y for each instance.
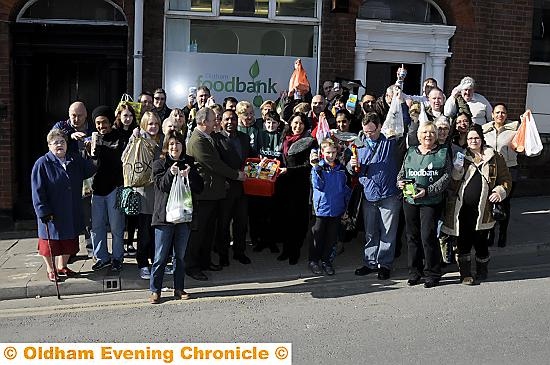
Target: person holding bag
(479, 180)
(173, 161)
(499, 134)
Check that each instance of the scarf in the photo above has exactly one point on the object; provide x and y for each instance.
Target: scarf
(289, 140)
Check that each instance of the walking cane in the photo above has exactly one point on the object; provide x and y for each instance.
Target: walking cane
(53, 262)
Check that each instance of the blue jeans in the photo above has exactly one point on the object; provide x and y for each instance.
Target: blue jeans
(164, 237)
(104, 212)
(381, 219)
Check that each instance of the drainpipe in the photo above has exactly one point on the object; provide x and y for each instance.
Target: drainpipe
(138, 47)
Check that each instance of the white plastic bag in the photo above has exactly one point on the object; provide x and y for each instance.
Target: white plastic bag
(533, 144)
(179, 208)
(393, 125)
(422, 117)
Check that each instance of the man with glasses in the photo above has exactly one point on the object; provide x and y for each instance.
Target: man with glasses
(159, 102)
(234, 148)
(376, 165)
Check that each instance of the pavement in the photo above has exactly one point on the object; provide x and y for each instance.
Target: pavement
(24, 272)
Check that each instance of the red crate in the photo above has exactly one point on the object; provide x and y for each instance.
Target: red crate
(260, 187)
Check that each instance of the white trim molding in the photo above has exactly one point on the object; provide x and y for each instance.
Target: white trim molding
(426, 44)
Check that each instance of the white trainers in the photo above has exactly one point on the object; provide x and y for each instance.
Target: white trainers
(144, 273)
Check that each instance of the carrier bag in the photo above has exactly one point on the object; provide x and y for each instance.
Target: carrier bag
(127, 100)
(137, 162)
(393, 125)
(179, 208)
(533, 144)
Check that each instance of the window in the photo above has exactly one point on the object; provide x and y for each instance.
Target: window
(240, 37)
(89, 11)
(248, 8)
(540, 44)
(202, 6)
(409, 11)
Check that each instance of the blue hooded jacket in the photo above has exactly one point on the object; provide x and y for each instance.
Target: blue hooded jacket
(331, 194)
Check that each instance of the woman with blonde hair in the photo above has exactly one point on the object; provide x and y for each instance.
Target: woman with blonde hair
(149, 128)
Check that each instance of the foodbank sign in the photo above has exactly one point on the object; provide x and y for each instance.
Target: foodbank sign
(237, 84)
(246, 77)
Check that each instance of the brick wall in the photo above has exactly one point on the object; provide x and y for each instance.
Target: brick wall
(337, 43)
(7, 171)
(153, 40)
(492, 44)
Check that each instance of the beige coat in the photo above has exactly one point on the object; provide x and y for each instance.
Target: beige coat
(493, 169)
(502, 140)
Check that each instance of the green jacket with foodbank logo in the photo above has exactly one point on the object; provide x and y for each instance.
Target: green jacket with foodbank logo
(431, 171)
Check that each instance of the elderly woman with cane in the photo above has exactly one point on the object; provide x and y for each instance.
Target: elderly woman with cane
(56, 181)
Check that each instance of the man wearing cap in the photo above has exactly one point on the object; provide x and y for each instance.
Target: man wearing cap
(106, 150)
(480, 108)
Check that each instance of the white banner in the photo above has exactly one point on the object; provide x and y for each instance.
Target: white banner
(245, 77)
(146, 353)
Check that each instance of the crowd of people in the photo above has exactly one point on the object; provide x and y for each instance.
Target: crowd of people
(436, 183)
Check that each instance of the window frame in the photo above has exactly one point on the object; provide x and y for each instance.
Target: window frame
(271, 14)
(21, 19)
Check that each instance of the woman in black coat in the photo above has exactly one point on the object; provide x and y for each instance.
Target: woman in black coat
(173, 161)
(293, 186)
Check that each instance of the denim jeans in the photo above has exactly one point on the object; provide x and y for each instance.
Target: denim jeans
(381, 219)
(164, 237)
(104, 212)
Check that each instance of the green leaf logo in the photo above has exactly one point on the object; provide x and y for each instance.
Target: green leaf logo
(254, 70)
(258, 101)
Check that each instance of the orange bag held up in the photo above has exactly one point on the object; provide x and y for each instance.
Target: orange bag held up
(299, 79)
(518, 142)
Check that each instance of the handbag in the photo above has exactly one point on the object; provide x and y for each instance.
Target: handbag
(128, 201)
(179, 207)
(499, 214)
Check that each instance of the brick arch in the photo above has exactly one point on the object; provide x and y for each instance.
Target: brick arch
(458, 12)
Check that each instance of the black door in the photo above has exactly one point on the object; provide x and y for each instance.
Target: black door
(380, 75)
(54, 66)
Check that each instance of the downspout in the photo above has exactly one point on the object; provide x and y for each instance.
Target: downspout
(138, 47)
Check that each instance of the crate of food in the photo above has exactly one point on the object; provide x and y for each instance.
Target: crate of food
(261, 175)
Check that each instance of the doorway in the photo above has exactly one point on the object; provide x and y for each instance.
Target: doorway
(55, 65)
(380, 75)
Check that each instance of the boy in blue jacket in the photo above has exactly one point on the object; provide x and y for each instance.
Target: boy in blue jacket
(330, 199)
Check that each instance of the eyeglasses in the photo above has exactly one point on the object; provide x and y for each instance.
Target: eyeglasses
(58, 142)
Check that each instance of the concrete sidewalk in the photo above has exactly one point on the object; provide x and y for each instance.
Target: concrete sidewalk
(24, 273)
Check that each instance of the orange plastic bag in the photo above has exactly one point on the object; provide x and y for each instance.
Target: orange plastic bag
(518, 142)
(299, 80)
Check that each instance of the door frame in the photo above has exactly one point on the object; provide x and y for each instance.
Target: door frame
(425, 44)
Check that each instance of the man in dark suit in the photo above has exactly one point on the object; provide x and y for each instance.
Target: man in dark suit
(234, 148)
(214, 173)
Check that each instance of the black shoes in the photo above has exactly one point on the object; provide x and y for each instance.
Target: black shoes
(315, 268)
(213, 267)
(413, 282)
(242, 258)
(198, 275)
(430, 283)
(327, 268)
(116, 265)
(364, 270)
(100, 265)
(224, 261)
(383, 273)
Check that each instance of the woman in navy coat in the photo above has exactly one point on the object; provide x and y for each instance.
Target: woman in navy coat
(56, 181)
